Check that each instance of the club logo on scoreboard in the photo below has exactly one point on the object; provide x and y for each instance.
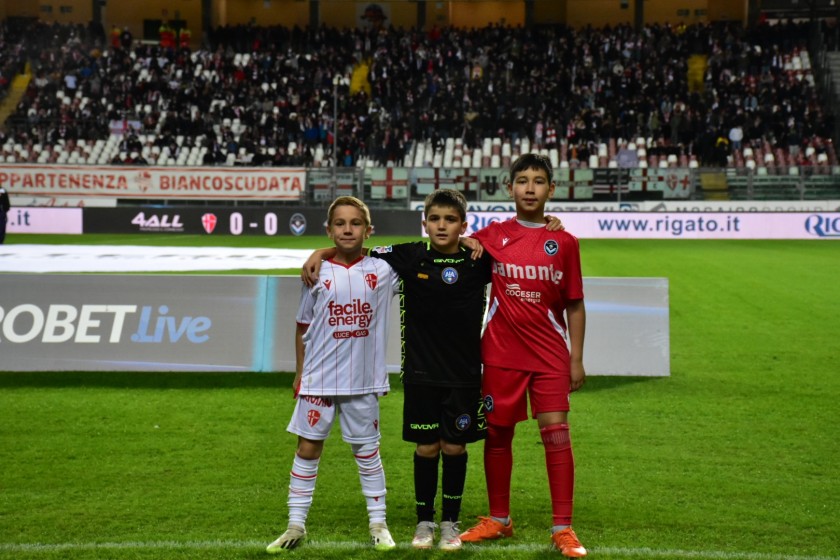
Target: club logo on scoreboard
(297, 224)
(208, 222)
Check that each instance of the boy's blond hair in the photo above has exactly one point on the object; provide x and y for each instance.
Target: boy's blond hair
(348, 201)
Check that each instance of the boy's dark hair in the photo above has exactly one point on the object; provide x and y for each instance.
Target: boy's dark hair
(531, 161)
(449, 198)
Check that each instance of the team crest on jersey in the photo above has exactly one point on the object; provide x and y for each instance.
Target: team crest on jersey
(312, 417)
(488, 403)
(449, 275)
(550, 247)
(463, 422)
(371, 280)
(327, 284)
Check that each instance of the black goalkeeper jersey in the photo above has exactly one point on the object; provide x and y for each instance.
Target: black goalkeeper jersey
(441, 309)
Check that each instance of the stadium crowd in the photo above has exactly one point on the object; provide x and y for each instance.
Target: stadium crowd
(264, 95)
(12, 57)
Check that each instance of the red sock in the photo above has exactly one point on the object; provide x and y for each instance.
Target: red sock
(498, 464)
(561, 471)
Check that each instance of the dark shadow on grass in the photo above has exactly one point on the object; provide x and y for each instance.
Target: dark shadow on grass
(220, 380)
(153, 380)
(144, 380)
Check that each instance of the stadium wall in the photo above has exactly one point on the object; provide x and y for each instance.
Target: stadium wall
(246, 323)
(276, 12)
(477, 14)
(400, 13)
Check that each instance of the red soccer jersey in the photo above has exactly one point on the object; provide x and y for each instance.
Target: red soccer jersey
(536, 272)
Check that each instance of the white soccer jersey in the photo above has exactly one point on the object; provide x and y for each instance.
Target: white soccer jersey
(347, 313)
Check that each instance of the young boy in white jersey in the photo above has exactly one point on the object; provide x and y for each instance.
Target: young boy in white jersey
(340, 369)
(536, 277)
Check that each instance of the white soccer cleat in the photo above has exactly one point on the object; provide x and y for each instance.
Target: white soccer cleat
(293, 536)
(424, 535)
(381, 537)
(450, 536)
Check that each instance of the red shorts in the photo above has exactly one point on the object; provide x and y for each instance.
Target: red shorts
(505, 392)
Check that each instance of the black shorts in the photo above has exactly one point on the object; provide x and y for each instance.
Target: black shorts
(432, 413)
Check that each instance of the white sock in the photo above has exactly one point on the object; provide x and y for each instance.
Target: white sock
(301, 487)
(372, 477)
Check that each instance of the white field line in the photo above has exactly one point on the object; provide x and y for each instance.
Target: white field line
(348, 545)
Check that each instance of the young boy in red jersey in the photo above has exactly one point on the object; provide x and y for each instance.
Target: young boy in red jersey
(527, 347)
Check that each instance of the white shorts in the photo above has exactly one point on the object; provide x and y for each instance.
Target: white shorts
(358, 416)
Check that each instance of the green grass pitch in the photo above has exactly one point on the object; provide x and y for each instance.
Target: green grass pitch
(735, 456)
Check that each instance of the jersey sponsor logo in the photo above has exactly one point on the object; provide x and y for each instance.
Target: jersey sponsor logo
(488, 403)
(317, 401)
(382, 249)
(327, 284)
(550, 247)
(425, 427)
(341, 335)
(312, 417)
(528, 272)
(449, 275)
(371, 280)
(376, 424)
(357, 313)
(514, 290)
(463, 422)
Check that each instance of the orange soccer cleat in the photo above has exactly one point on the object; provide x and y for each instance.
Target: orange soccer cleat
(568, 544)
(488, 529)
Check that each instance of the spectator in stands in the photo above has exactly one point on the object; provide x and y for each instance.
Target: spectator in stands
(126, 38)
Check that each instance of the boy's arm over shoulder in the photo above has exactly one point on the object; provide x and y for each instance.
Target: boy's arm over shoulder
(387, 270)
(312, 267)
(485, 233)
(400, 256)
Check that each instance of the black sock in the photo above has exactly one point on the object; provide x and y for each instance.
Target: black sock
(425, 486)
(454, 477)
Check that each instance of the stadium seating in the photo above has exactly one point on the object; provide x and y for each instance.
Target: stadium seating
(233, 105)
